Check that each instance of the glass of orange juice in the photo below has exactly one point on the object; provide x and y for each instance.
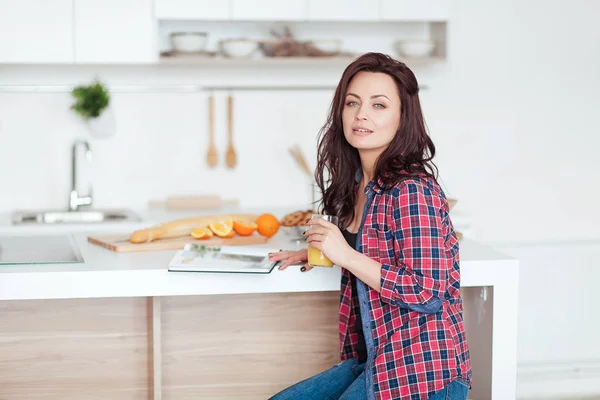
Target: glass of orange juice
(316, 258)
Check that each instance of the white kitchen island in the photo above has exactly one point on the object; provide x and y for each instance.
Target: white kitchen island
(120, 326)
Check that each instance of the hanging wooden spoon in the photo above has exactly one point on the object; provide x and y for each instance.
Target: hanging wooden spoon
(231, 156)
(212, 157)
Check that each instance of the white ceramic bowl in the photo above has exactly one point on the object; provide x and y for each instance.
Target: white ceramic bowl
(238, 47)
(328, 46)
(188, 42)
(415, 48)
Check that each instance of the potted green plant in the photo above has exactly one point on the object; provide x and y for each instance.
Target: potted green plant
(92, 103)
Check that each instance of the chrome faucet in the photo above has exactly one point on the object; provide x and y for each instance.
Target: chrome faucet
(75, 201)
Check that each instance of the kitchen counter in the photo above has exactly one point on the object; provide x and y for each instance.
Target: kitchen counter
(202, 335)
(106, 273)
(154, 216)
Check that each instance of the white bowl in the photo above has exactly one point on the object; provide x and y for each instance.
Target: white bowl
(238, 47)
(328, 46)
(415, 48)
(188, 42)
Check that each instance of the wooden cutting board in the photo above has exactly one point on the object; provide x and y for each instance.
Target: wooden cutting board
(121, 242)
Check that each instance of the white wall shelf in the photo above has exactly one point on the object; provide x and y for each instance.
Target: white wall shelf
(278, 61)
(355, 38)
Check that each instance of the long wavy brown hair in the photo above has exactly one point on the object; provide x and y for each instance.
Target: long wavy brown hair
(409, 154)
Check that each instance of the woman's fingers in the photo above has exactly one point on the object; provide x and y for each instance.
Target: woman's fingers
(316, 233)
(290, 261)
(291, 258)
(306, 268)
(315, 237)
(316, 229)
(282, 255)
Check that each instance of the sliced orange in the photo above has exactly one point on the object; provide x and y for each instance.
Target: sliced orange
(226, 221)
(221, 229)
(202, 233)
(244, 227)
(232, 234)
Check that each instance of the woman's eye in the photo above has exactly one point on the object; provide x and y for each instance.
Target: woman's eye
(378, 105)
(351, 103)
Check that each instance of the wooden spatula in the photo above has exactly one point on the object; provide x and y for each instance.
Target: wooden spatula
(231, 156)
(212, 157)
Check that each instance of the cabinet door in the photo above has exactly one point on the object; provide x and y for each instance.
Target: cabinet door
(343, 10)
(33, 31)
(115, 31)
(415, 10)
(266, 10)
(192, 9)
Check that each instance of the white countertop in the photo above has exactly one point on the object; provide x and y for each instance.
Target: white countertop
(150, 217)
(105, 273)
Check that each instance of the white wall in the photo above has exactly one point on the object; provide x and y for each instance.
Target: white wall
(559, 353)
(513, 114)
(159, 149)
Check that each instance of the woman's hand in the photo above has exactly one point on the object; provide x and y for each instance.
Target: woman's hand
(328, 238)
(291, 257)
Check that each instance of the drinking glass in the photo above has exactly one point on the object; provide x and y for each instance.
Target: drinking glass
(316, 258)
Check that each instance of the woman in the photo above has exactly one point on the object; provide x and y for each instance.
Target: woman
(400, 319)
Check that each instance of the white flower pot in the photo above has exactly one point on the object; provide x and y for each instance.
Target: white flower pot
(104, 126)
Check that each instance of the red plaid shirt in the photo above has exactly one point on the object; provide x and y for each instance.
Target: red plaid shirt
(417, 343)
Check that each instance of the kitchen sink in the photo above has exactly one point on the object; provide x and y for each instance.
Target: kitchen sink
(72, 217)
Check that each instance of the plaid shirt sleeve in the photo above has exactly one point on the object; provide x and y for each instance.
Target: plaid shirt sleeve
(418, 279)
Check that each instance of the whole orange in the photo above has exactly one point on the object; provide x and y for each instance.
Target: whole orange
(267, 225)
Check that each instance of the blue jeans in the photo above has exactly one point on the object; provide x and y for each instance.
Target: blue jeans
(458, 389)
(346, 381)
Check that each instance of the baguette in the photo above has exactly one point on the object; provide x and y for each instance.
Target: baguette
(181, 227)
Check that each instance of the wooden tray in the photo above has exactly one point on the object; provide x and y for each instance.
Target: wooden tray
(121, 242)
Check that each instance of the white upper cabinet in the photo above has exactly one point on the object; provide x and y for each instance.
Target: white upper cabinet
(35, 32)
(343, 10)
(267, 10)
(115, 31)
(415, 10)
(192, 9)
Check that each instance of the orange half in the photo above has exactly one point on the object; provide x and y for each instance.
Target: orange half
(226, 220)
(202, 233)
(244, 227)
(232, 234)
(221, 229)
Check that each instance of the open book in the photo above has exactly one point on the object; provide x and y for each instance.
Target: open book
(236, 259)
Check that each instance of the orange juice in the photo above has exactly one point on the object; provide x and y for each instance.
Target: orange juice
(317, 259)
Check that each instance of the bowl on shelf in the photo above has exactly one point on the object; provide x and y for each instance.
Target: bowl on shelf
(415, 48)
(331, 47)
(272, 48)
(239, 48)
(188, 42)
